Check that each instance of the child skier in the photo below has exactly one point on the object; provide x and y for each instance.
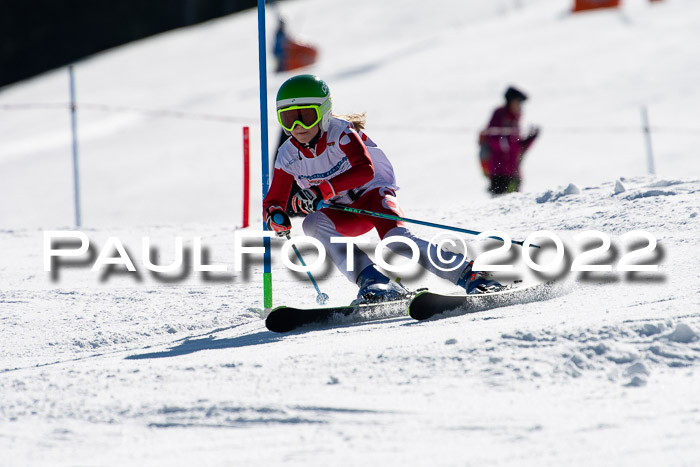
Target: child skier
(334, 163)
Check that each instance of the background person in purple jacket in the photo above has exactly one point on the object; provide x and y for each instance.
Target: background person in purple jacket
(502, 147)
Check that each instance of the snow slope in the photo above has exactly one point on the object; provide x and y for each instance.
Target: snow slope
(115, 368)
(148, 373)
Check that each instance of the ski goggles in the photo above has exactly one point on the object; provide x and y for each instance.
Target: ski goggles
(305, 115)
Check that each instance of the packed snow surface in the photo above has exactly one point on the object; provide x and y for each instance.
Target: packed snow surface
(111, 367)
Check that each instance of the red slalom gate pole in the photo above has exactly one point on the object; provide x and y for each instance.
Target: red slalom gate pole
(246, 175)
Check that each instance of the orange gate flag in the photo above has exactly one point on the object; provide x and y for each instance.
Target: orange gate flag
(583, 5)
(299, 55)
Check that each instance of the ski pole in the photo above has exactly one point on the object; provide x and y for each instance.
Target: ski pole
(321, 298)
(364, 212)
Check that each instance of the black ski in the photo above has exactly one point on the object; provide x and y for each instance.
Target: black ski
(285, 318)
(428, 304)
(422, 305)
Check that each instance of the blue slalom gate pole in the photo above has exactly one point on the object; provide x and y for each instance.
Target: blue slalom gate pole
(262, 54)
(412, 221)
(74, 132)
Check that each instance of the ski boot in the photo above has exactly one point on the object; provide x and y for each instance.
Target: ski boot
(477, 282)
(376, 287)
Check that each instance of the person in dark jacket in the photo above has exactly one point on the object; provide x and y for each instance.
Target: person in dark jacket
(280, 47)
(502, 147)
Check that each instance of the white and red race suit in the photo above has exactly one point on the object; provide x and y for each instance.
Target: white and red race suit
(351, 170)
(342, 163)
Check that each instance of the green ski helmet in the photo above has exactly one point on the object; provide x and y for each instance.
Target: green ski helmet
(304, 100)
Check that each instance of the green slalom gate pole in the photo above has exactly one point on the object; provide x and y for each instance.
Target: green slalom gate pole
(381, 215)
(262, 59)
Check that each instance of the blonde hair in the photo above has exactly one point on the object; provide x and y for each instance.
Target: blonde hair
(358, 120)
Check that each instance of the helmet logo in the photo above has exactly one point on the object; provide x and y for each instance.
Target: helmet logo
(324, 88)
